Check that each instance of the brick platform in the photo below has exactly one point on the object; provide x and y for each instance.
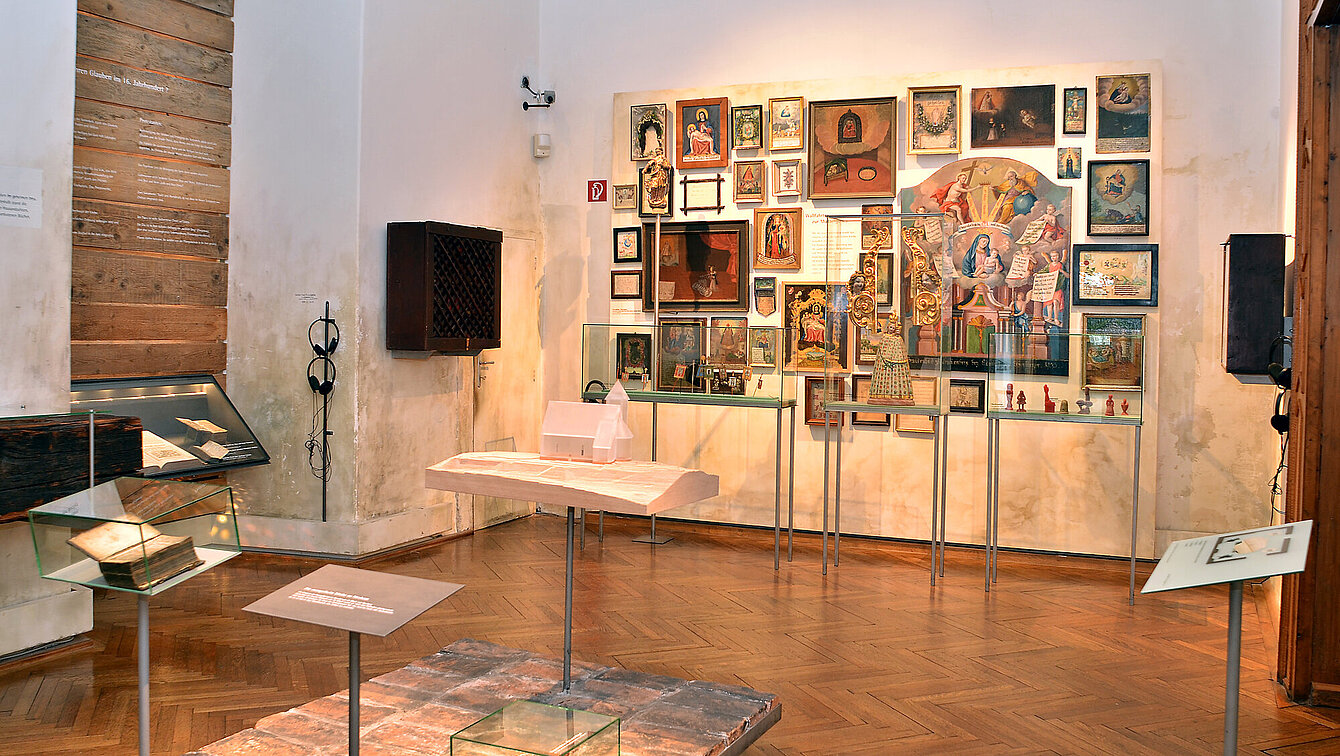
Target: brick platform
(414, 710)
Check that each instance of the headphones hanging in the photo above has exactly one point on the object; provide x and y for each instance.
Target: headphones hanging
(326, 383)
(1283, 378)
(328, 343)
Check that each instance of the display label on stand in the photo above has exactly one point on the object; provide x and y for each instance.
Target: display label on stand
(1232, 557)
(360, 601)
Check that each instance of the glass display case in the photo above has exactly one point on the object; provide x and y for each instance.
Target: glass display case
(526, 727)
(720, 360)
(1101, 378)
(873, 327)
(190, 425)
(135, 534)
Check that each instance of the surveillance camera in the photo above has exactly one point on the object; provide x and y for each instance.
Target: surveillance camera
(548, 96)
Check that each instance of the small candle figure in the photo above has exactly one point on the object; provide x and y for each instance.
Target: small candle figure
(1125, 406)
(1111, 407)
(1048, 404)
(1009, 396)
(1065, 407)
(1020, 400)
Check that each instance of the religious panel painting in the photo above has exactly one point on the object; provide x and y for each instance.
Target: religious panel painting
(1014, 116)
(852, 148)
(1123, 113)
(815, 318)
(703, 139)
(1004, 245)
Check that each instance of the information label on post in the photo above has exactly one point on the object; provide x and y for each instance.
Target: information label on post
(361, 601)
(1232, 557)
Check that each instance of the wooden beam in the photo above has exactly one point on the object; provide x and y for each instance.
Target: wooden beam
(119, 359)
(149, 181)
(99, 37)
(143, 322)
(105, 126)
(112, 82)
(110, 225)
(102, 276)
(179, 20)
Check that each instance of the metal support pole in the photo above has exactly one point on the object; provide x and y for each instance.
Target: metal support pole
(92, 481)
(944, 493)
(837, 494)
(777, 497)
(567, 611)
(995, 511)
(824, 526)
(1135, 509)
(935, 493)
(1234, 660)
(354, 665)
(791, 489)
(990, 487)
(581, 520)
(142, 662)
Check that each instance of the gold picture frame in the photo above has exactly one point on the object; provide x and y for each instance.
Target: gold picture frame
(934, 120)
(786, 123)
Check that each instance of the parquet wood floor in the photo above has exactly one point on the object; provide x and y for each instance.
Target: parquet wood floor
(868, 660)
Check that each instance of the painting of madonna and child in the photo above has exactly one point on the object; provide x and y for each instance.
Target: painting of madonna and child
(1004, 244)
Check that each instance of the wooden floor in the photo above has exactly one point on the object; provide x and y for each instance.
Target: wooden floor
(868, 660)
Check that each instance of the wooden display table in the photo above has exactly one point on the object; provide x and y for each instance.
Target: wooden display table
(640, 488)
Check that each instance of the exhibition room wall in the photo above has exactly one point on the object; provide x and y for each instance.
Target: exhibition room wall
(1218, 169)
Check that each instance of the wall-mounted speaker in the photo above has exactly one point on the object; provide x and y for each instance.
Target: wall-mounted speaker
(443, 284)
(1253, 301)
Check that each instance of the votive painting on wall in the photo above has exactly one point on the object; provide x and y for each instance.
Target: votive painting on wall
(648, 128)
(746, 123)
(1114, 357)
(1069, 163)
(702, 266)
(633, 360)
(1123, 113)
(1001, 259)
(1074, 110)
(1119, 198)
(679, 354)
(750, 179)
(786, 123)
(852, 148)
(1014, 116)
(703, 141)
(933, 120)
(777, 238)
(815, 316)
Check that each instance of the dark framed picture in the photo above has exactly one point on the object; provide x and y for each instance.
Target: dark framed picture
(818, 391)
(967, 396)
(1123, 113)
(884, 283)
(701, 193)
(625, 196)
(860, 392)
(628, 244)
(653, 190)
(746, 127)
(632, 360)
(1115, 275)
(1119, 198)
(1114, 356)
(1014, 116)
(815, 318)
(728, 341)
(933, 120)
(703, 140)
(679, 347)
(777, 238)
(786, 123)
(751, 178)
(852, 148)
(625, 284)
(648, 128)
(702, 266)
(1074, 110)
(1069, 163)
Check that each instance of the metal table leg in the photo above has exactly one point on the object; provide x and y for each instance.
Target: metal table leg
(354, 676)
(1135, 509)
(567, 610)
(990, 489)
(1233, 667)
(944, 492)
(142, 663)
(791, 489)
(777, 497)
(824, 526)
(995, 511)
(935, 494)
(837, 494)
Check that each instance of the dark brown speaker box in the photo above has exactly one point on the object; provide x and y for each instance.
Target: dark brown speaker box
(1253, 301)
(443, 284)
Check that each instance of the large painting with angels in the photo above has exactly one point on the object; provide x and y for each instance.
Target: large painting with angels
(1006, 255)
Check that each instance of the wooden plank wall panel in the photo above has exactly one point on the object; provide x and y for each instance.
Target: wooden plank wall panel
(110, 225)
(149, 287)
(143, 132)
(188, 22)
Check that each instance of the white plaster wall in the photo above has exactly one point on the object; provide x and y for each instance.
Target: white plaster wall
(36, 132)
(1221, 157)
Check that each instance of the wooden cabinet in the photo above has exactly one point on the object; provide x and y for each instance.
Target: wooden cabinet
(443, 284)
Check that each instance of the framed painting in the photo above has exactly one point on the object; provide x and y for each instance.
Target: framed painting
(815, 318)
(877, 234)
(628, 245)
(750, 180)
(884, 283)
(1108, 275)
(765, 295)
(746, 127)
(703, 140)
(1014, 116)
(763, 346)
(648, 127)
(1114, 358)
(701, 193)
(653, 190)
(625, 284)
(860, 392)
(701, 266)
(933, 120)
(679, 353)
(728, 341)
(1119, 198)
(786, 178)
(925, 391)
(998, 263)
(632, 356)
(866, 347)
(967, 396)
(1069, 163)
(777, 238)
(852, 148)
(820, 390)
(786, 123)
(625, 196)
(1074, 110)
(1123, 113)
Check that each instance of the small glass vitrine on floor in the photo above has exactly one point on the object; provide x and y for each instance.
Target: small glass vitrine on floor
(526, 728)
